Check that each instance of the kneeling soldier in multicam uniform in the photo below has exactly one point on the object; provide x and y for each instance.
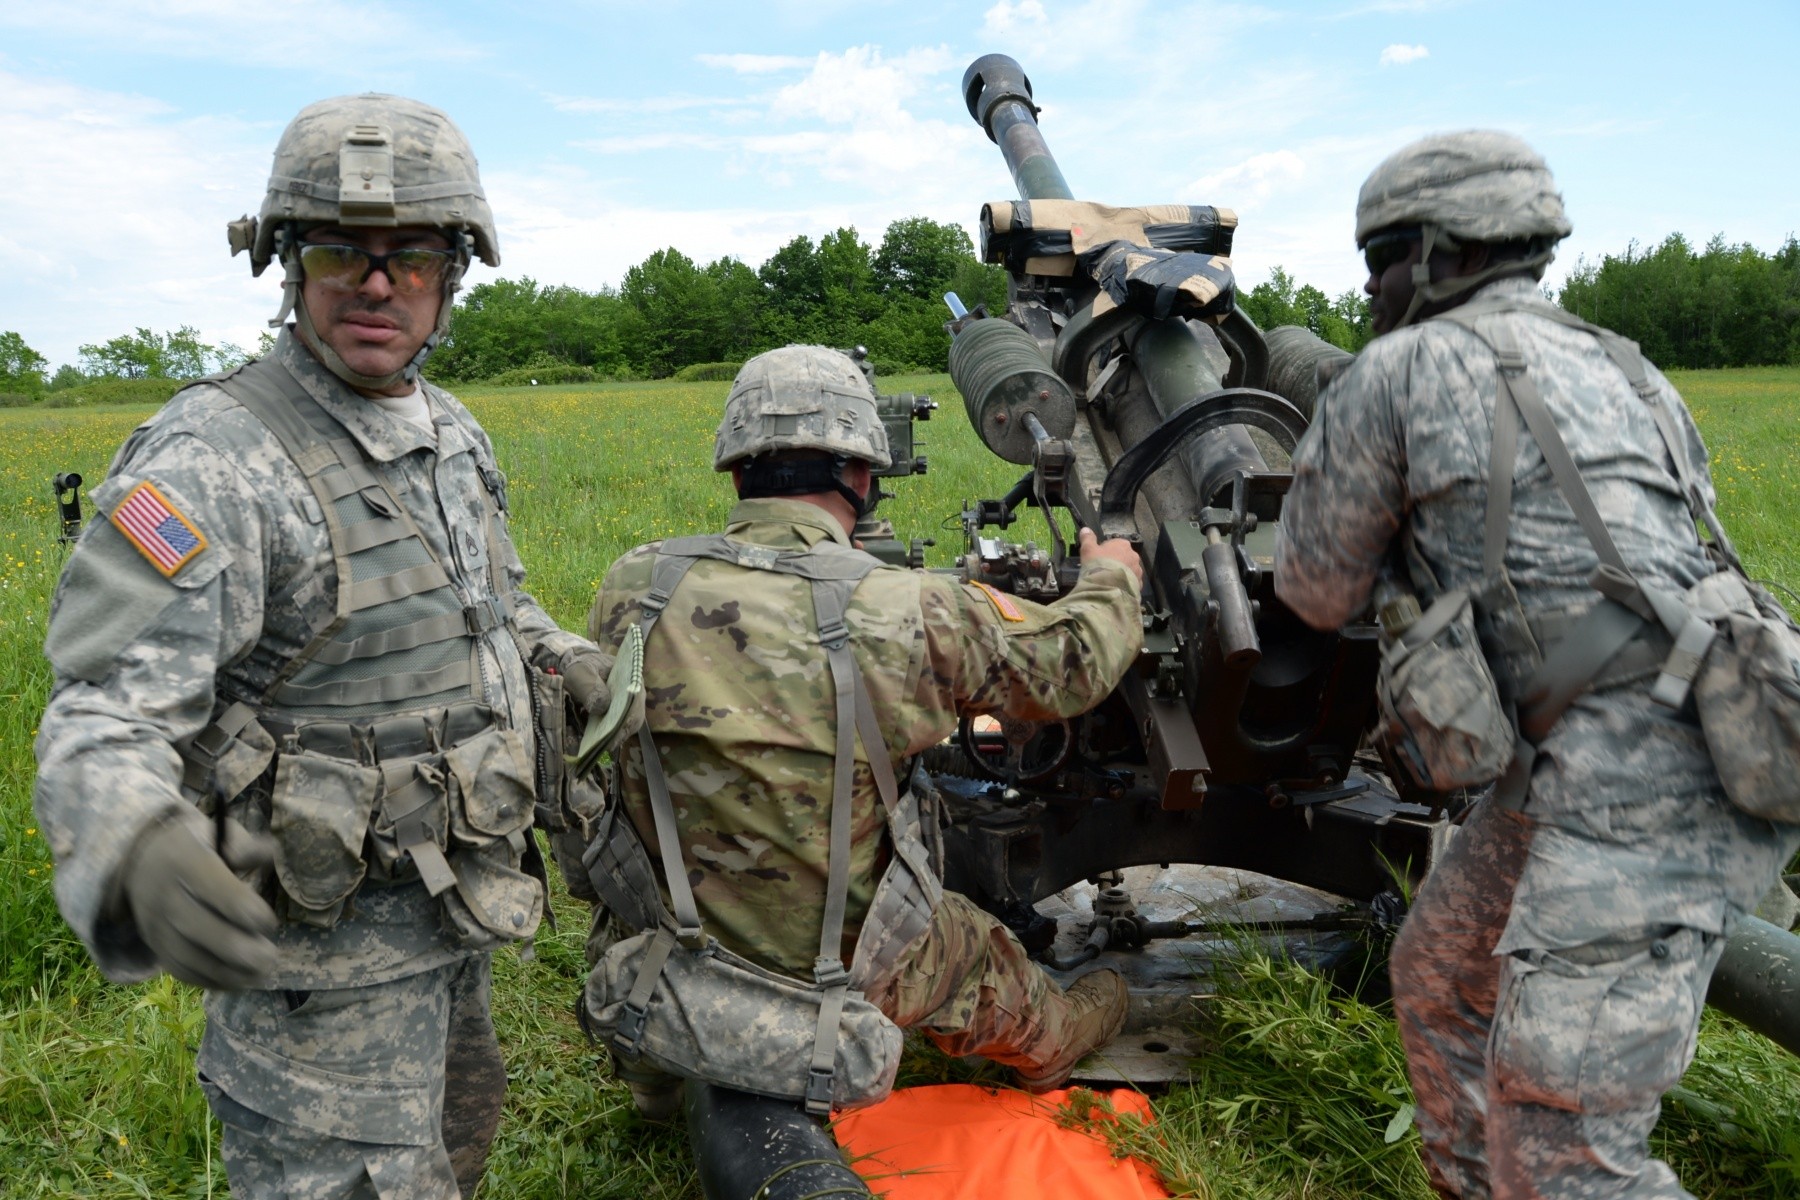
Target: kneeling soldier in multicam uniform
(741, 714)
(299, 614)
(1549, 979)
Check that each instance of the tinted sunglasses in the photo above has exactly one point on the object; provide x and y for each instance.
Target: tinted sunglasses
(1385, 249)
(346, 268)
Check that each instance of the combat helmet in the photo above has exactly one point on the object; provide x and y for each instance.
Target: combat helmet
(369, 160)
(801, 398)
(1474, 186)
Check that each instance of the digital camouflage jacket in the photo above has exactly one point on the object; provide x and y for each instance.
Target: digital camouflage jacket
(1634, 828)
(142, 658)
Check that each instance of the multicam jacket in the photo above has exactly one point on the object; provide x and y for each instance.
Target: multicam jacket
(739, 702)
(144, 655)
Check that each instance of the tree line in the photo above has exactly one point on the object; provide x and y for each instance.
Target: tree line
(1724, 305)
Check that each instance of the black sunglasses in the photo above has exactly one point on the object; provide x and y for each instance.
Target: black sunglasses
(1385, 249)
(346, 268)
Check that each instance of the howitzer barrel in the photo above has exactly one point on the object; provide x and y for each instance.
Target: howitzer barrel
(999, 98)
(1295, 356)
(1758, 981)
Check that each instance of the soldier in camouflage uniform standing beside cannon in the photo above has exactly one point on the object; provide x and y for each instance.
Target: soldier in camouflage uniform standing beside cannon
(1487, 445)
(303, 709)
(747, 737)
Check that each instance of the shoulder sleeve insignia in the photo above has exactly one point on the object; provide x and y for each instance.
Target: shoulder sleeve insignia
(158, 529)
(1005, 605)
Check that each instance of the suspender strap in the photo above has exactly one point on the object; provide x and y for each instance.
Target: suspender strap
(830, 599)
(665, 575)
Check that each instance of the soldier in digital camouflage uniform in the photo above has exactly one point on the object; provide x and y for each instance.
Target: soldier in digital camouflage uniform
(299, 601)
(746, 732)
(1549, 979)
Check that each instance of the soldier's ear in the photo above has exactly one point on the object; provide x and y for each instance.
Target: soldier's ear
(857, 476)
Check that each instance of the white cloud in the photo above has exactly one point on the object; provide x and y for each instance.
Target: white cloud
(1040, 37)
(250, 31)
(1009, 18)
(1247, 184)
(118, 218)
(754, 64)
(1398, 55)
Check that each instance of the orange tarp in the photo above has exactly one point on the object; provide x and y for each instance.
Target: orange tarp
(956, 1141)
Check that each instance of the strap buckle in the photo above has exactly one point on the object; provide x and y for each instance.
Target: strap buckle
(690, 937)
(818, 1091)
(834, 635)
(830, 973)
(628, 1039)
(654, 601)
(1510, 361)
(490, 612)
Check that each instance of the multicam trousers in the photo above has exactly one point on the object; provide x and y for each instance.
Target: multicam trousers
(391, 1091)
(1539, 1073)
(970, 987)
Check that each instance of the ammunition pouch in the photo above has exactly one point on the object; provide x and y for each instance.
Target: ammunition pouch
(1442, 719)
(1747, 693)
(714, 1016)
(445, 799)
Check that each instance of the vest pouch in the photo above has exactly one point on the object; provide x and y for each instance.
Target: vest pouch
(493, 902)
(1442, 721)
(717, 1017)
(319, 811)
(1747, 695)
(491, 788)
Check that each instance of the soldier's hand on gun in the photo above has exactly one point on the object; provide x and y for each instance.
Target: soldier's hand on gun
(1117, 550)
(204, 924)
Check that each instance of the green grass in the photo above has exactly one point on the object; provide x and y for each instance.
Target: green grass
(96, 1092)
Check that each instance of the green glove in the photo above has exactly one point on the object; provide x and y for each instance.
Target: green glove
(584, 680)
(204, 924)
(608, 727)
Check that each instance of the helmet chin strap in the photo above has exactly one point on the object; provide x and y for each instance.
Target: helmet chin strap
(1425, 291)
(293, 301)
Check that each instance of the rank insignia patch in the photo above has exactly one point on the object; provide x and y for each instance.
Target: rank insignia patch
(1005, 605)
(158, 529)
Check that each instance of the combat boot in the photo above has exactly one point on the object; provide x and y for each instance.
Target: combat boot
(657, 1102)
(1097, 1005)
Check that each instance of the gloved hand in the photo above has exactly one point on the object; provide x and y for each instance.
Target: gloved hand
(584, 679)
(204, 924)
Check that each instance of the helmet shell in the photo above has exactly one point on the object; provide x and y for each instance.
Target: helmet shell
(374, 160)
(1479, 185)
(801, 398)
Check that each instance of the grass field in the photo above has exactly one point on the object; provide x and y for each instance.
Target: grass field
(1305, 1098)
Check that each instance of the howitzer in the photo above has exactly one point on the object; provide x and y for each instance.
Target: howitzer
(1147, 405)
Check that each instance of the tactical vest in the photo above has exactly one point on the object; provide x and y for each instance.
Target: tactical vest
(651, 1017)
(388, 764)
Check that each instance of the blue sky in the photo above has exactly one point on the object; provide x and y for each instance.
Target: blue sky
(132, 130)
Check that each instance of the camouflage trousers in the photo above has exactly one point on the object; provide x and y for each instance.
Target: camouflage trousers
(391, 1091)
(970, 987)
(1539, 1073)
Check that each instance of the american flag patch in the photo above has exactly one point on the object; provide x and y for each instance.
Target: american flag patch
(1005, 605)
(157, 528)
